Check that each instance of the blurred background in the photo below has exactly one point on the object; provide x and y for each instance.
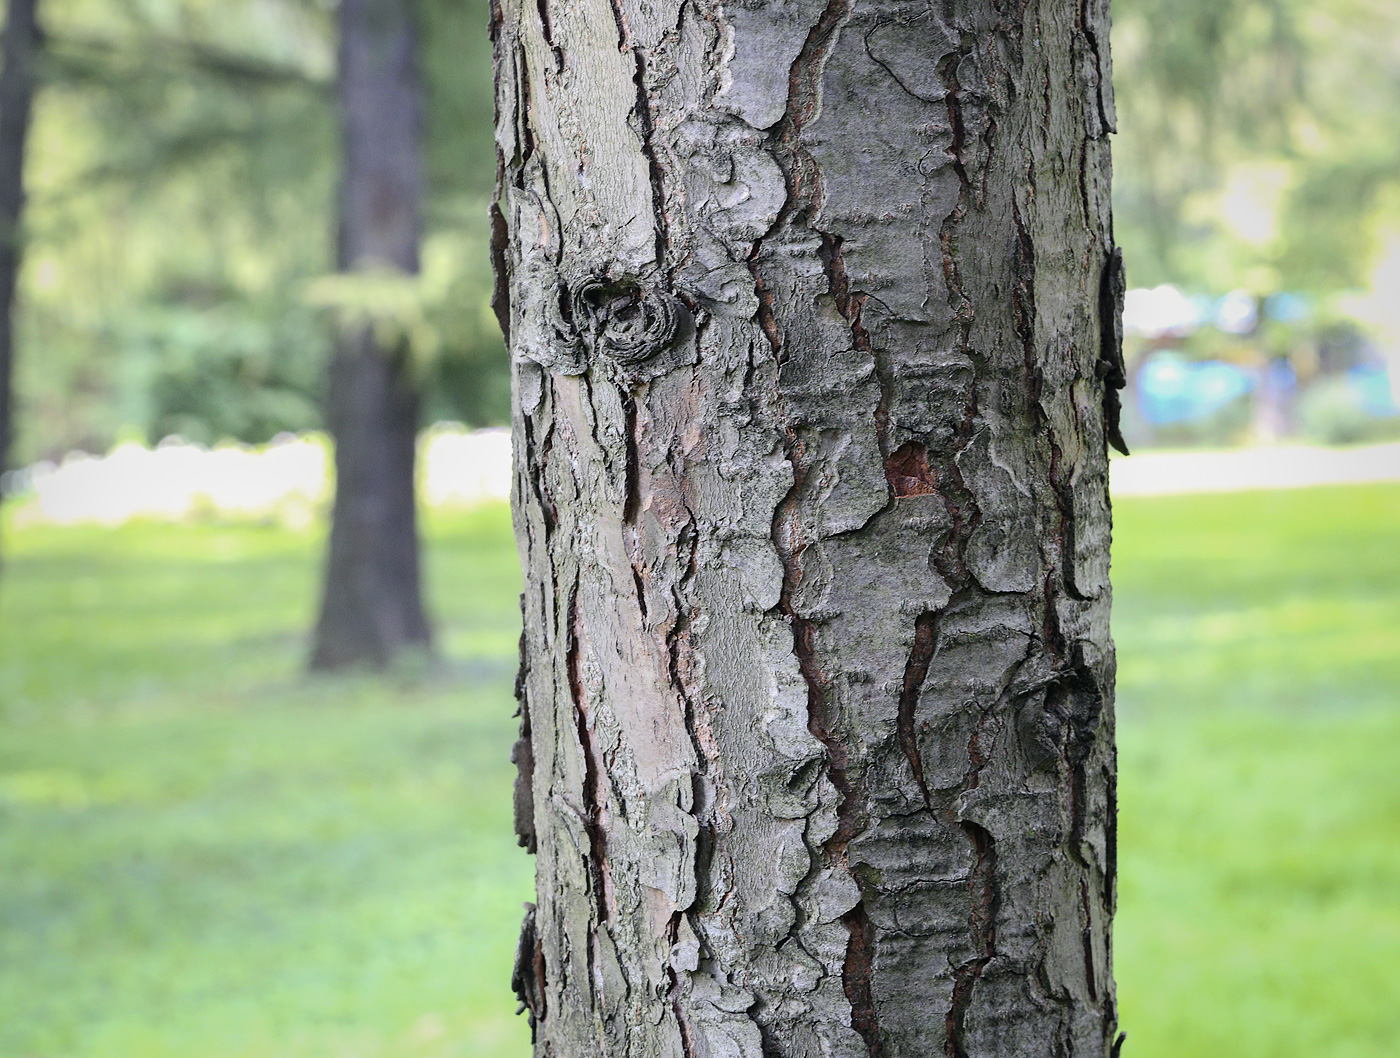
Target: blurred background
(206, 852)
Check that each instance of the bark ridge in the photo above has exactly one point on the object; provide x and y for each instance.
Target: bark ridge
(811, 312)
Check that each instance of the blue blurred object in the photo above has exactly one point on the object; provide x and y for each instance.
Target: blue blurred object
(1172, 389)
(1287, 308)
(1371, 386)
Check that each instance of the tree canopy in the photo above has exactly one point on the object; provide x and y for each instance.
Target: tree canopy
(1259, 141)
(180, 225)
(179, 276)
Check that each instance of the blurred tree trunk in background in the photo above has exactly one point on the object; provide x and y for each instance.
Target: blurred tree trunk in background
(19, 55)
(813, 310)
(372, 606)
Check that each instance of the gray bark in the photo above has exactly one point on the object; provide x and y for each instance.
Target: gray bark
(813, 319)
(18, 57)
(372, 605)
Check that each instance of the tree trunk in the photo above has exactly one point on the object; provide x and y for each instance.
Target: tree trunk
(813, 319)
(372, 607)
(19, 54)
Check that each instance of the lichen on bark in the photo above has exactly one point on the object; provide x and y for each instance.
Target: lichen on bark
(810, 308)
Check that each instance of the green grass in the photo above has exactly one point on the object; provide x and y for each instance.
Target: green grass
(1259, 703)
(205, 854)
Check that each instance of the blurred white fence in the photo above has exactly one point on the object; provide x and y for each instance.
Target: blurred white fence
(289, 480)
(1284, 466)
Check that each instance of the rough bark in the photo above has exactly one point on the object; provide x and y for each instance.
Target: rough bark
(812, 311)
(18, 54)
(372, 605)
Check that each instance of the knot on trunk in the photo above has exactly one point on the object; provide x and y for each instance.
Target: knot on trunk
(624, 321)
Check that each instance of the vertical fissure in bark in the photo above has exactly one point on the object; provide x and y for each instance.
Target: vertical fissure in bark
(674, 990)
(915, 672)
(1086, 938)
(873, 441)
(632, 499)
(804, 95)
(522, 754)
(856, 973)
(819, 724)
(1110, 876)
(500, 287)
(767, 319)
(645, 128)
(547, 32)
(535, 460)
(851, 306)
(957, 497)
(982, 927)
(1023, 308)
(948, 71)
(1091, 36)
(1082, 171)
(594, 814)
(1110, 367)
(633, 496)
(964, 516)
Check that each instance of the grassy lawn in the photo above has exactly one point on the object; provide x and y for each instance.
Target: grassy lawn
(1259, 703)
(205, 854)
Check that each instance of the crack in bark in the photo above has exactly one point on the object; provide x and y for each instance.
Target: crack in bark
(1086, 938)
(547, 31)
(1111, 368)
(642, 108)
(632, 499)
(915, 672)
(953, 565)
(1024, 316)
(856, 972)
(593, 810)
(804, 96)
(982, 925)
(851, 306)
(1110, 878)
(522, 754)
(1092, 37)
(673, 983)
(766, 318)
(948, 71)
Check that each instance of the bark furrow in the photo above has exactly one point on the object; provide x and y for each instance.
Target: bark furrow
(810, 306)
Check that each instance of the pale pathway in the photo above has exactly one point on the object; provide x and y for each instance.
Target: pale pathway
(289, 481)
(1265, 467)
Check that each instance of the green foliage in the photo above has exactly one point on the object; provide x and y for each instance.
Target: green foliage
(204, 855)
(1331, 413)
(1259, 144)
(184, 167)
(182, 173)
